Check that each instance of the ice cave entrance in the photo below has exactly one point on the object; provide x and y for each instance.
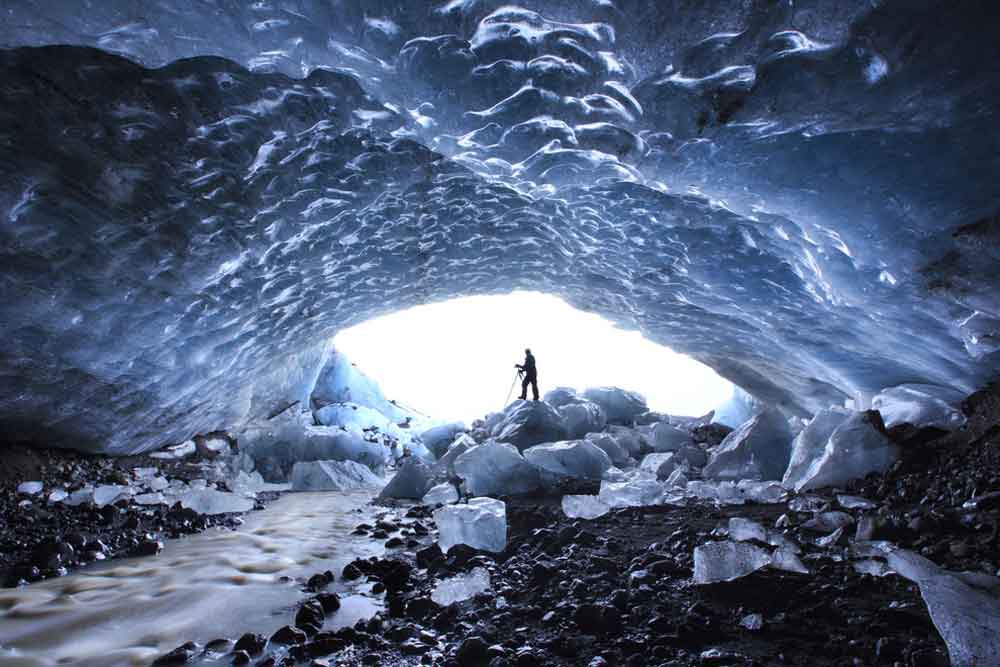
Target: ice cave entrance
(455, 359)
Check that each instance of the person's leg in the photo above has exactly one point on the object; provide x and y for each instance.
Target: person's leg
(534, 387)
(524, 388)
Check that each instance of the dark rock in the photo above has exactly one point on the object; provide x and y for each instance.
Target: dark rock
(472, 652)
(253, 644)
(241, 658)
(288, 635)
(311, 612)
(178, 656)
(330, 602)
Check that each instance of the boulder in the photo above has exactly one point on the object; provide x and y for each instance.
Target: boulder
(582, 418)
(620, 406)
(411, 481)
(578, 459)
(615, 452)
(759, 449)
(439, 438)
(561, 396)
(527, 423)
(667, 438)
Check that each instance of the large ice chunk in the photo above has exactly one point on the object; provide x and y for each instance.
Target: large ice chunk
(809, 444)
(615, 451)
(659, 464)
(30, 488)
(637, 492)
(620, 406)
(759, 449)
(579, 459)
(920, 405)
(480, 524)
(667, 438)
(726, 561)
(359, 418)
(212, 501)
(441, 494)
(964, 606)
(462, 587)
(630, 440)
(439, 438)
(561, 396)
(332, 476)
(527, 423)
(496, 468)
(413, 479)
(584, 507)
(581, 418)
(856, 448)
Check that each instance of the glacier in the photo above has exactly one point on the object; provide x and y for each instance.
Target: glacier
(803, 200)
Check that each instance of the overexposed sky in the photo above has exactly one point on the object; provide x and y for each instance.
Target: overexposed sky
(455, 360)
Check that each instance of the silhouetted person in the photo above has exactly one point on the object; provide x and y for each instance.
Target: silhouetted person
(530, 375)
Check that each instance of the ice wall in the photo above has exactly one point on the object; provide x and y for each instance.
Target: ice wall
(802, 197)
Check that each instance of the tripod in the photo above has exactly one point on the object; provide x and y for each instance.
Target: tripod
(517, 374)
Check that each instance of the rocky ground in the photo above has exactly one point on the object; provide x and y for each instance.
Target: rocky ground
(618, 590)
(40, 539)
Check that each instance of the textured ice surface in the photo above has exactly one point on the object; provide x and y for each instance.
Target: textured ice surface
(855, 448)
(584, 507)
(332, 476)
(481, 524)
(620, 406)
(496, 468)
(412, 480)
(578, 459)
(527, 423)
(965, 607)
(758, 449)
(441, 494)
(340, 381)
(659, 464)
(189, 237)
(921, 405)
(462, 587)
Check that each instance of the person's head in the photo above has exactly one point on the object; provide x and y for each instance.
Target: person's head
(527, 350)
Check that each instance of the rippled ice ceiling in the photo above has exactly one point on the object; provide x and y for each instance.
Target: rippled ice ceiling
(802, 195)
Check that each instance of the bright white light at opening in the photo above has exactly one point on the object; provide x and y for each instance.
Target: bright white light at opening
(455, 360)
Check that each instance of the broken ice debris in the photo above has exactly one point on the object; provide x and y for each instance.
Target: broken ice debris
(58, 495)
(411, 481)
(438, 439)
(462, 587)
(920, 405)
(727, 561)
(480, 524)
(110, 493)
(583, 507)
(496, 468)
(30, 488)
(743, 530)
(615, 451)
(856, 448)
(212, 501)
(332, 476)
(578, 459)
(736, 493)
(825, 522)
(809, 444)
(181, 451)
(759, 449)
(633, 493)
(872, 567)
(964, 606)
(442, 494)
(855, 503)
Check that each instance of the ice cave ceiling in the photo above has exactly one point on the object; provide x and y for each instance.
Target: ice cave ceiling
(801, 194)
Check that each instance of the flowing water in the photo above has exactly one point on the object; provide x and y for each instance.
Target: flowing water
(219, 583)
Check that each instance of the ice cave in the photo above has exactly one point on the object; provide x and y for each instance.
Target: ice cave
(199, 197)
